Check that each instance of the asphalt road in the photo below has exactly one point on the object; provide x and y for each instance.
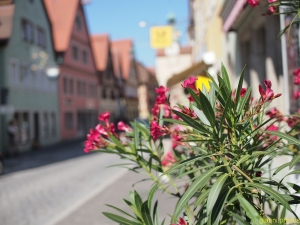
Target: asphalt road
(62, 185)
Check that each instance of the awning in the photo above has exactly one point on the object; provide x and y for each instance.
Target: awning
(235, 12)
(195, 70)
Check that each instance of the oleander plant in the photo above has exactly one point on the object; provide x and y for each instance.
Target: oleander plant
(223, 147)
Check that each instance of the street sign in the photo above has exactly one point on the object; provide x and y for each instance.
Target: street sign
(161, 37)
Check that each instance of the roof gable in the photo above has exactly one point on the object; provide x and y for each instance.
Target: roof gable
(6, 17)
(62, 16)
(100, 47)
(123, 48)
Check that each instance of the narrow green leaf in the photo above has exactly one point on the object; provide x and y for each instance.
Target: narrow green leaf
(227, 105)
(193, 188)
(136, 135)
(201, 198)
(250, 210)
(201, 116)
(239, 88)
(280, 168)
(212, 96)
(175, 121)
(195, 97)
(192, 123)
(121, 211)
(146, 213)
(120, 220)
(274, 194)
(212, 80)
(253, 155)
(243, 100)
(240, 220)
(214, 193)
(207, 109)
(117, 142)
(151, 194)
(294, 161)
(294, 186)
(225, 77)
(287, 137)
(163, 222)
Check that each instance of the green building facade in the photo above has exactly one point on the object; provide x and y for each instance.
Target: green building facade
(28, 92)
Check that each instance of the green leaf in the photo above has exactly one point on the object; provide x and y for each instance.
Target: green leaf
(280, 168)
(121, 211)
(240, 220)
(201, 116)
(199, 182)
(227, 105)
(246, 157)
(146, 213)
(136, 135)
(250, 210)
(225, 77)
(120, 219)
(154, 214)
(243, 100)
(137, 200)
(151, 194)
(274, 194)
(211, 96)
(201, 198)
(195, 97)
(214, 193)
(189, 121)
(117, 142)
(174, 121)
(287, 137)
(294, 186)
(207, 109)
(238, 91)
(294, 161)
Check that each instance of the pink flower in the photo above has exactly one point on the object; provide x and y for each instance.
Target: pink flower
(243, 92)
(101, 130)
(104, 117)
(272, 10)
(268, 94)
(296, 95)
(155, 110)
(297, 80)
(181, 222)
(161, 99)
(94, 141)
(167, 111)
(157, 131)
(122, 126)
(296, 72)
(272, 128)
(253, 3)
(168, 159)
(275, 113)
(191, 99)
(161, 90)
(176, 138)
(112, 128)
(190, 83)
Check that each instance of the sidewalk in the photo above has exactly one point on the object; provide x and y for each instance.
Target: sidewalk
(45, 155)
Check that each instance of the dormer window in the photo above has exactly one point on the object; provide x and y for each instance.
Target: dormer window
(78, 22)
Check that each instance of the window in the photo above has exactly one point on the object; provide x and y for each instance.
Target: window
(71, 89)
(13, 72)
(41, 37)
(83, 88)
(24, 73)
(78, 87)
(69, 120)
(46, 125)
(65, 85)
(84, 57)
(78, 22)
(27, 31)
(53, 124)
(75, 52)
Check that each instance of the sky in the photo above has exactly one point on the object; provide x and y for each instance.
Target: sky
(120, 19)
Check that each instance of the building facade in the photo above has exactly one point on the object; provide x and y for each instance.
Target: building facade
(26, 54)
(78, 83)
(109, 80)
(123, 50)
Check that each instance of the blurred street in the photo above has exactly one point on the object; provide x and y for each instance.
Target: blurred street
(61, 185)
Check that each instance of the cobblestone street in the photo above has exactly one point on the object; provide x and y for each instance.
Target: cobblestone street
(62, 185)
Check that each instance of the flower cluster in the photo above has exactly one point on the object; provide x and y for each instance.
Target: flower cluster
(271, 9)
(296, 74)
(268, 94)
(168, 159)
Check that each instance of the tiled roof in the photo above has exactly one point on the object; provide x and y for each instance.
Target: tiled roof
(100, 45)
(183, 50)
(62, 16)
(123, 48)
(6, 18)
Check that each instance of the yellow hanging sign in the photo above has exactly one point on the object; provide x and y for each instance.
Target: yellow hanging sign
(203, 80)
(161, 37)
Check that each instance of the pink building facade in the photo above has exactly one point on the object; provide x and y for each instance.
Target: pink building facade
(78, 83)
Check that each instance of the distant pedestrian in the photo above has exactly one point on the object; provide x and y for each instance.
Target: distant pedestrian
(12, 133)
